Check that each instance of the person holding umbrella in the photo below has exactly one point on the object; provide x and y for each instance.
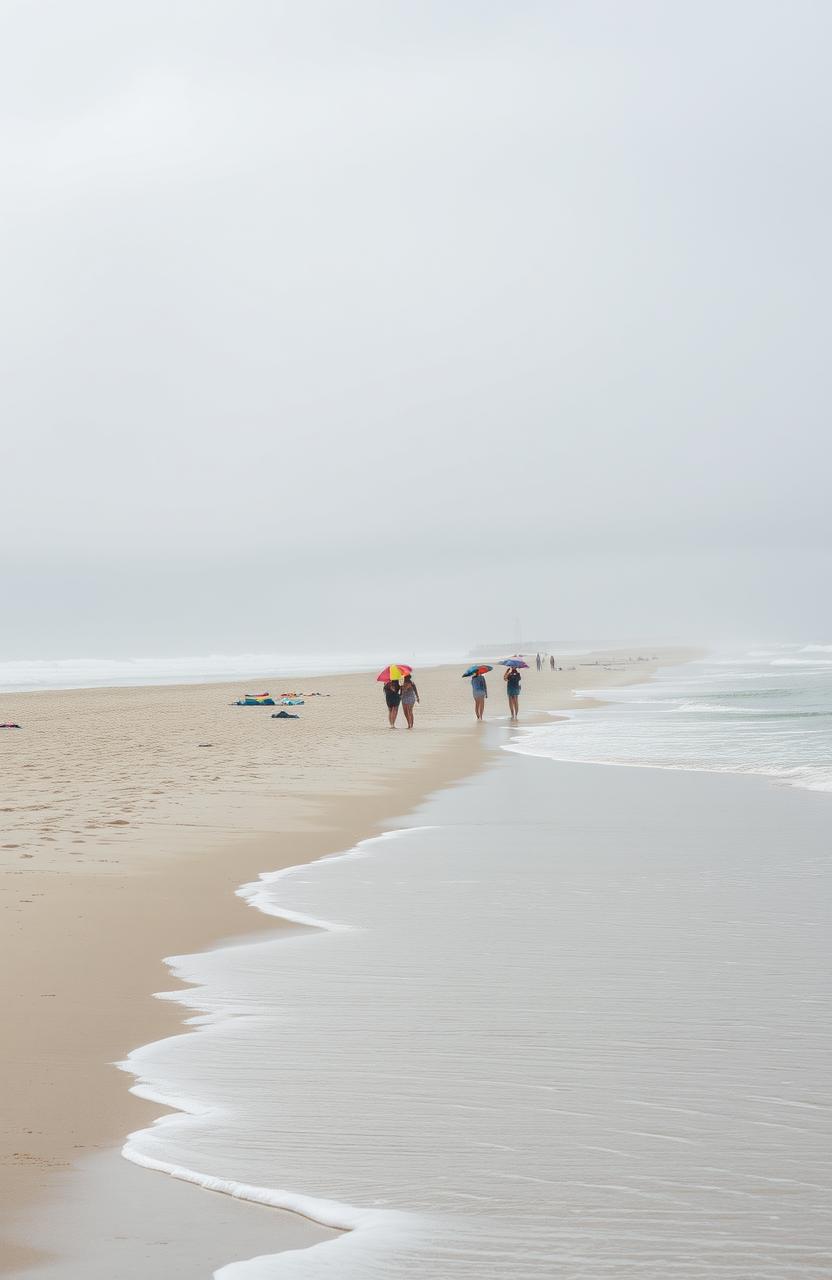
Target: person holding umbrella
(512, 678)
(478, 687)
(393, 697)
(391, 678)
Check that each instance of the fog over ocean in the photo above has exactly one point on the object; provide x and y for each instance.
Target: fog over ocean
(335, 335)
(90, 673)
(768, 711)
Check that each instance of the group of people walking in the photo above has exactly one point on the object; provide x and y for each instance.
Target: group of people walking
(512, 680)
(403, 693)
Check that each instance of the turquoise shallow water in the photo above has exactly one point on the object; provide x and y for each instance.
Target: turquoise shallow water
(768, 711)
(567, 1021)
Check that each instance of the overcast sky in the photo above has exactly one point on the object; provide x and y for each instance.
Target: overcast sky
(324, 324)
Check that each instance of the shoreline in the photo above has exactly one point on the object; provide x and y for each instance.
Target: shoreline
(659, 1023)
(98, 988)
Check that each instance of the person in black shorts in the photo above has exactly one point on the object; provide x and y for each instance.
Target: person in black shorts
(393, 697)
(512, 679)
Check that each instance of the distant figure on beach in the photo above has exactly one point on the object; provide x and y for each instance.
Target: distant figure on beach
(512, 679)
(480, 691)
(410, 696)
(392, 696)
(552, 662)
(539, 661)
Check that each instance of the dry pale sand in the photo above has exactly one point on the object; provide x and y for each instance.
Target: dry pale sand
(122, 840)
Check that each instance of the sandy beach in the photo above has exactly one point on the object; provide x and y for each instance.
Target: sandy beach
(341, 336)
(123, 841)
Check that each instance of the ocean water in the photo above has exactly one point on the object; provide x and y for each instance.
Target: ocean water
(564, 1021)
(768, 711)
(90, 673)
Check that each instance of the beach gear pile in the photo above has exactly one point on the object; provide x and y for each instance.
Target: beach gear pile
(9, 725)
(266, 700)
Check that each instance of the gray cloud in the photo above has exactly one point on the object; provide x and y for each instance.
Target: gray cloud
(523, 297)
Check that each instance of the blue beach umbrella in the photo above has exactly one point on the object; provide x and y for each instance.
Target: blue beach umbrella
(513, 662)
(478, 670)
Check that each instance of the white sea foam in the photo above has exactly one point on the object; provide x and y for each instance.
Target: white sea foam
(719, 708)
(85, 673)
(801, 662)
(519, 1046)
(768, 712)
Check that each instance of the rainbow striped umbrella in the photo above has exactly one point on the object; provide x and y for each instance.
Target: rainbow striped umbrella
(396, 671)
